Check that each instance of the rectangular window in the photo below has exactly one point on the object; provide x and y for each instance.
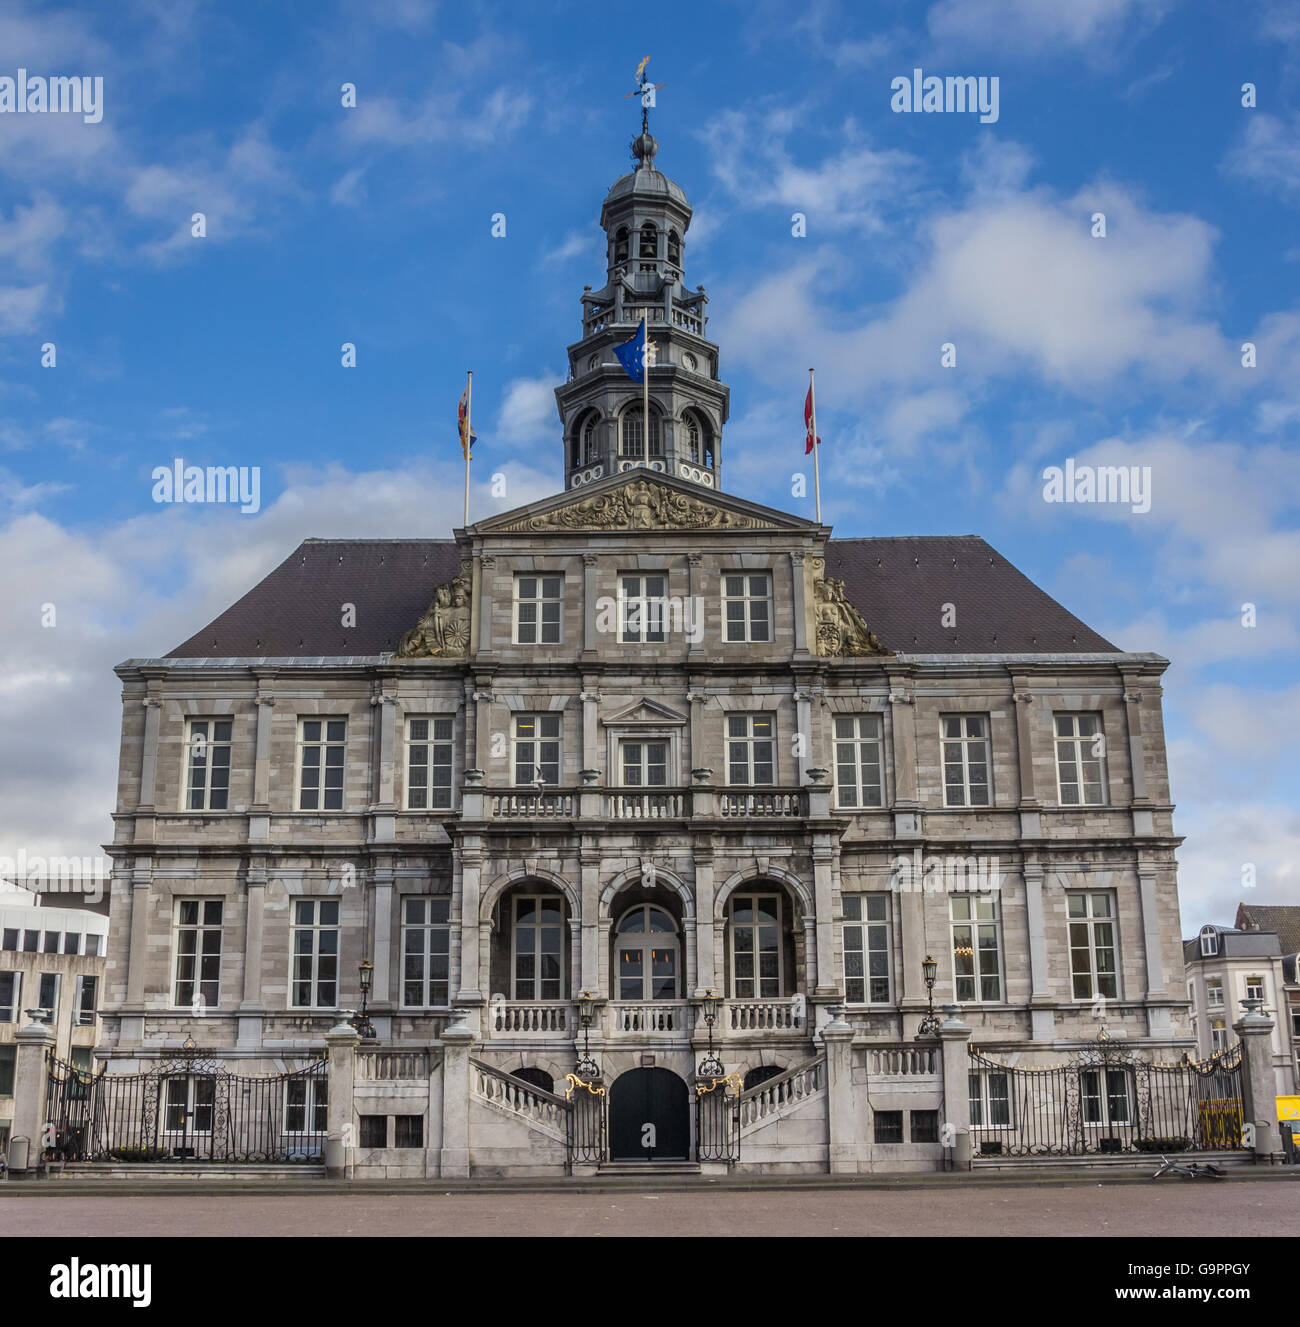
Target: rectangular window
(87, 993)
(643, 608)
(408, 1130)
(990, 1099)
(10, 939)
(92, 945)
(976, 950)
(8, 1059)
(426, 944)
(867, 949)
(428, 764)
(857, 760)
(538, 601)
(52, 939)
(374, 1131)
(208, 742)
(198, 953)
(48, 992)
(321, 747)
(72, 942)
(11, 990)
(1295, 1024)
(539, 947)
(1218, 1034)
(1092, 946)
(755, 934)
(1104, 1096)
(965, 760)
(31, 942)
(925, 1125)
(1254, 988)
(747, 606)
(306, 1104)
(537, 749)
(889, 1126)
(1081, 759)
(314, 983)
(644, 764)
(1214, 992)
(751, 749)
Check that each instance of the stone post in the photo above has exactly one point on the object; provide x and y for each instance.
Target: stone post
(340, 1140)
(954, 1038)
(842, 1153)
(1258, 1083)
(30, 1078)
(453, 1162)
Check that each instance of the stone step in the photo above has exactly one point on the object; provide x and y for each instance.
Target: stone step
(648, 1169)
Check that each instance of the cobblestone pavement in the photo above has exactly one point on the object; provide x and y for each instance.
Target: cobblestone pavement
(1179, 1208)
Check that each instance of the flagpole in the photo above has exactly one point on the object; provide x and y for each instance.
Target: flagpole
(817, 470)
(469, 433)
(645, 387)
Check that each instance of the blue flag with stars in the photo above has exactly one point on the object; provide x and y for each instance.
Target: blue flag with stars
(629, 354)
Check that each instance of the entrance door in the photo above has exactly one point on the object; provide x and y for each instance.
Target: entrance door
(649, 1116)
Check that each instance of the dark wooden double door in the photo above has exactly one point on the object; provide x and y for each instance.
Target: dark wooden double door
(650, 1117)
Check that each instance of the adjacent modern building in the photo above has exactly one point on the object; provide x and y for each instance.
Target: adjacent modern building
(51, 960)
(654, 758)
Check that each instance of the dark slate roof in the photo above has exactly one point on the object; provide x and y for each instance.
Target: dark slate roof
(1234, 944)
(1284, 918)
(899, 584)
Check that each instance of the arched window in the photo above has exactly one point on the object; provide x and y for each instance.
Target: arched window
(620, 245)
(536, 1077)
(630, 445)
(754, 926)
(699, 440)
(649, 241)
(1209, 942)
(759, 1074)
(537, 933)
(674, 248)
(590, 443)
(693, 439)
(648, 954)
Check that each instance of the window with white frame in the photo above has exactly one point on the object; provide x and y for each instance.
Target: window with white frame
(751, 749)
(9, 939)
(306, 1104)
(1254, 988)
(93, 943)
(208, 767)
(87, 1000)
(537, 749)
(1106, 1096)
(426, 946)
(643, 764)
(72, 942)
(990, 1099)
(1209, 942)
(1080, 760)
(976, 948)
(643, 608)
(1092, 945)
(965, 759)
(1295, 1023)
(1218, 1034)
(747, 606)
(314, 978)
(538, 934)
(428, 764)
(867, 949)
(321, 747)
(538, 603)
(1214, 992)
(858, 760)
(11, 989)
(754, 924)
(196, 976)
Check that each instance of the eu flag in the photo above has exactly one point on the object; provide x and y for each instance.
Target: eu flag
(629, 354)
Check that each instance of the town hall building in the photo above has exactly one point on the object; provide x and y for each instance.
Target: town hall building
(648, 824)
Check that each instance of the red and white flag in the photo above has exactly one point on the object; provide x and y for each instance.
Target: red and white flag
(809, 440)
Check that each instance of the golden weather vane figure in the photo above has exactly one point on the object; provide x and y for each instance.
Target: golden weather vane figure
(645, 90)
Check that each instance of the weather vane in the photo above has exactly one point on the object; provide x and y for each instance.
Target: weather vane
(646, 91)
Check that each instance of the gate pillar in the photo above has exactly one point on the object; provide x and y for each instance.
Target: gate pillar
(453, 1160)
(340, 1140)
(31, 1080)
(1258, 1083)
(954, 1037)
(842, 1152)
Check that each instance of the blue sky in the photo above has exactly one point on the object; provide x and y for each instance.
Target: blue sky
(373, 225)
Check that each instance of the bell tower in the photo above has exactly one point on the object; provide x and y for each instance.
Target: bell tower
(645, 217)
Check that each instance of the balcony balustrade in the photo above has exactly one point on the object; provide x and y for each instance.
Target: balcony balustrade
(644, 804)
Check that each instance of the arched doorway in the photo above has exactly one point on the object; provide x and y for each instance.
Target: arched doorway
(649, 1116)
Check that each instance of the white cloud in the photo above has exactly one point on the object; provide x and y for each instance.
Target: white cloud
(1031, 27)
(1268, 153)
(528, 412)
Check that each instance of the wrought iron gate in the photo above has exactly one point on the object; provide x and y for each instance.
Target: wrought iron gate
(585, 1121)
(717, 1119)
(186, 1108)
(1106, 1100)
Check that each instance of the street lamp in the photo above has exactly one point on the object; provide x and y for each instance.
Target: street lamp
(586, 1066)
(929, 1025)
(711, 1065)
(361, 1020)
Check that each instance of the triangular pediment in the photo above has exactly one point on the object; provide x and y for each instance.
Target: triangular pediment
(642, 500)
(644, 711)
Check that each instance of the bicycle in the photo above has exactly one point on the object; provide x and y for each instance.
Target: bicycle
(1194, 1171)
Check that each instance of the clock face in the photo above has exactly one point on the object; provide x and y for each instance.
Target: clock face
(688, 362)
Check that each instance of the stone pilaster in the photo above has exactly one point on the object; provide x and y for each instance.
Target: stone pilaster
(454, 1158)
(30, 1079)
(1043, 1020)
(341, 1140)
(695, 588)
(251, 1007)
(797, 558)
(954, 1039)
(259, 812)
(706, 977)
(590, 643)
(842, 1153)
(907, 809)
(1030, 821)
(1143, 818)
(1258, 1082)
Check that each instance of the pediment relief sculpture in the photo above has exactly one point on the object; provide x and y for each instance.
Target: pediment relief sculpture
(640, 505)
(443, 630)
(840, 628)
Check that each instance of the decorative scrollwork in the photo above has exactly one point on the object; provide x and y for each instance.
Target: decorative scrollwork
(575, 1082)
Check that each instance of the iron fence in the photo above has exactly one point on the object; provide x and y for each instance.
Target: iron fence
(584, 1121)
(717, 1119)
